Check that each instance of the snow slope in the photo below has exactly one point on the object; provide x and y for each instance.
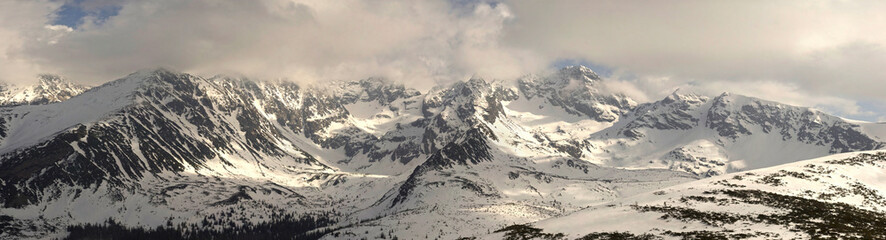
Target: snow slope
(711, 136)
(838, 196)
(374, 157)
(30, 124)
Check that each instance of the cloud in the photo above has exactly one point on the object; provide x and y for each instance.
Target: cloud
(21, 24)
(628, 88)
(829, 50)
(653, 88)
(423, 42)
(824, 53)
(789, 93)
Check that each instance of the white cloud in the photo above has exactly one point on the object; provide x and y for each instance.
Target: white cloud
(823, 53)
(424, 42)
(23, 23)
(628, 88)
(830, 51)
(790, 94)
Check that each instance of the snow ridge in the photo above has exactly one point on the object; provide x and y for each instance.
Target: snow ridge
(49, 89)
(377, 157)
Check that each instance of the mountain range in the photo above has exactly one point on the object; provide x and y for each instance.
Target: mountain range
(166, 154)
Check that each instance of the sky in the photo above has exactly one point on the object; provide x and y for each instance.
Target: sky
(826, 54)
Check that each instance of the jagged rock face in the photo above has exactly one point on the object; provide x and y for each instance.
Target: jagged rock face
(3, 120)
(461, 147)
(478, 177)
(374, 89)
(199, 119)
(49, 89)
(732, 116)
(577, 90)
(451, 112)
(172, 124)
(472, 149)
(675, 112)
(703, 136)
(303, 111)
(394, 104)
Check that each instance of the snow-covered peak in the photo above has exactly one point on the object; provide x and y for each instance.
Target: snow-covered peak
(733, 115)
(49, 80)
(567, 78)
(48, 89)
(475, 85)
(684, 96)
(467, 94)
(474, 150)
(380, 90)
(579, 73)
(35, 123)
(575, 89)
(727, 133)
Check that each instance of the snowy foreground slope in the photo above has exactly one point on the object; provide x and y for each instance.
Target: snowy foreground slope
(839, 196)
(173, 155)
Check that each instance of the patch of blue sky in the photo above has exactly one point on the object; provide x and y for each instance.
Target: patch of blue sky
(73, 13)
(873, 111)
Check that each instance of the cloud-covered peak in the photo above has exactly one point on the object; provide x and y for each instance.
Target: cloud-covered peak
(579, 72)
(681, 95)
(831, 54)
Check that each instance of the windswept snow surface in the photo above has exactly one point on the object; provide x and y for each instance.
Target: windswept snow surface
(30, 124)
(764, 203)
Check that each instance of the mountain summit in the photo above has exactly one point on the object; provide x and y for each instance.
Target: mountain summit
(173, 151)
(48, 89)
